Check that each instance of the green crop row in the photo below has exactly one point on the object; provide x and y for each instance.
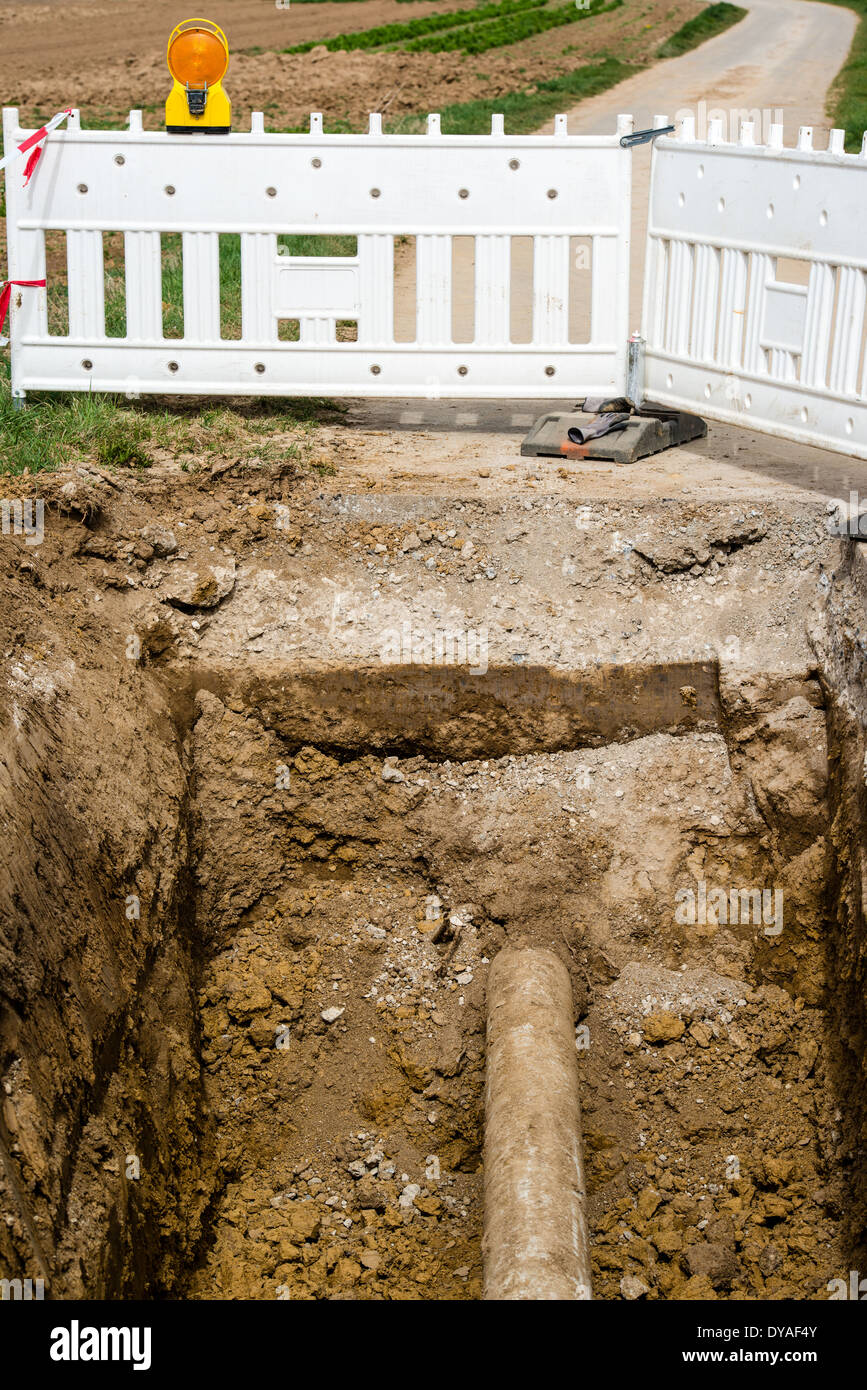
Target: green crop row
(526, 111)
(413, 28)
(848, 94)
(712, 21)
(498, 33)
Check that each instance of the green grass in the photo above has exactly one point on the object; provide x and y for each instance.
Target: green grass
(313, 245)
(59, 429)
(712, 21)
(173, 285)
(848, 97)
(498, 33)
(526, 111)
(384, 34)
(56, 430)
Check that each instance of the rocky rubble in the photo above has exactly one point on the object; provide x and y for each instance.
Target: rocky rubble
(714, 1156)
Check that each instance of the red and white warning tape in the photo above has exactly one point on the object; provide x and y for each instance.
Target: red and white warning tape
(6, 294)
(34, 144)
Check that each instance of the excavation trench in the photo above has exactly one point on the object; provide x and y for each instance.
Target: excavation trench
(383, 889)
(247, 1058)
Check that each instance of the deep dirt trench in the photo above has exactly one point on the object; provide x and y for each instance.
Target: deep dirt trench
(253, 876)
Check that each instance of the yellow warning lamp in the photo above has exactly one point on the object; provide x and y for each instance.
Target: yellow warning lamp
(198, 56)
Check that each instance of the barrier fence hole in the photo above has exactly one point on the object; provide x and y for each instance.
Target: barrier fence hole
(463, 289)
(580, 286)
(172, 270)
(56, 279)
(791, 271)
(315, 244)
(114, 263)
(404, 289)
(230, 286)
(521, 290)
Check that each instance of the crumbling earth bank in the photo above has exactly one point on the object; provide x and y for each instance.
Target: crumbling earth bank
(98, 1033)
(247, 919)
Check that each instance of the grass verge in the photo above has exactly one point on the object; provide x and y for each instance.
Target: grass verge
(712, 21)
(848, 96)
(57, 430)
(526, 111)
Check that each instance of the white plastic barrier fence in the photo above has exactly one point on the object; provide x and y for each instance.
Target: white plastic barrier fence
(756, 284)
(569, 195)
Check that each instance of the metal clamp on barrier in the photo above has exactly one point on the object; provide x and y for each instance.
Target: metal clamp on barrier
(642, 137)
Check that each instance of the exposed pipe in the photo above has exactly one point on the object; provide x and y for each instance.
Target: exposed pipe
(535, 1239)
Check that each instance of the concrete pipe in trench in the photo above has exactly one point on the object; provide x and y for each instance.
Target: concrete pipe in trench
(535, 1236)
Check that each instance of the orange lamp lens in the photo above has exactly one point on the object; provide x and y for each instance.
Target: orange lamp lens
(196, 57)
